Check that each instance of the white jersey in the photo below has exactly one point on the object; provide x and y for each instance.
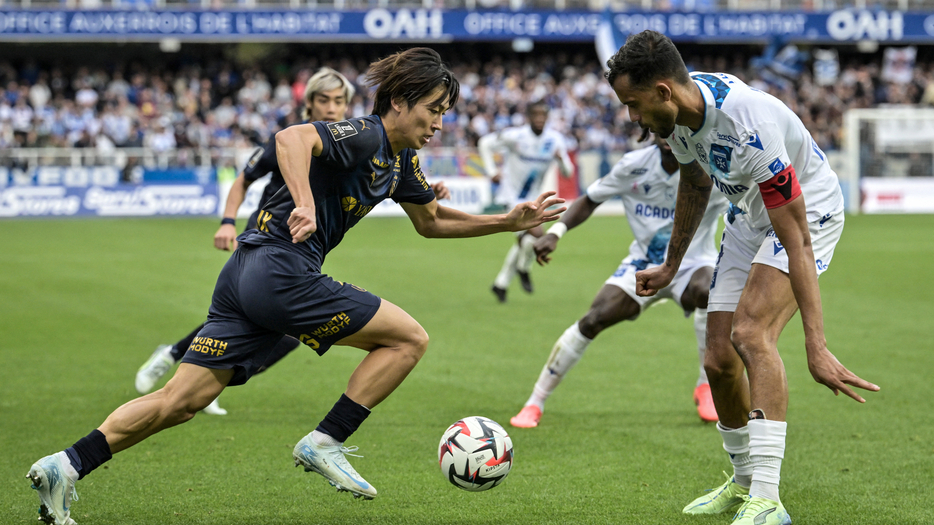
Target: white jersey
(526, 158)
(747, 138)
(649, 193)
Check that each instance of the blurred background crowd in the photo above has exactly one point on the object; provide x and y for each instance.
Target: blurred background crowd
(218, 102)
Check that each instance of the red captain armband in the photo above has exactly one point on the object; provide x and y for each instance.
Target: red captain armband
(780, 189)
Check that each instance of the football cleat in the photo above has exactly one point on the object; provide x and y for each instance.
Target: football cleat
(526, 281)
(528, 417)
(761, 511)
(329, 461)
(214, 409)
(704, 401)
(55, 487)
(725, 498)
(500, 293)
(160, 362)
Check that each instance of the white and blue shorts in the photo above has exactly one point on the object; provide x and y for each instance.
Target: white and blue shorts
(744, 245)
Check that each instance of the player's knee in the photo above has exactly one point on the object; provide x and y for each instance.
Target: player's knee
(417, 343)
(747, 340)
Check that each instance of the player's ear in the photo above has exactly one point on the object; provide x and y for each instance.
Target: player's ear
(397, 104)
(664, 91)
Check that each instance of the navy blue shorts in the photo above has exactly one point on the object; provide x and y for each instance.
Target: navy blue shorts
(264, 292)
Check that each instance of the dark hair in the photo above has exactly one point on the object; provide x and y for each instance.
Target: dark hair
(537, 104)
(410, 75)
(646, 57)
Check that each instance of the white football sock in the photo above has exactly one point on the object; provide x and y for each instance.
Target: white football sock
(564, 355)
(736, 444)
(508, 272)
(700, 330)
(526, 253)
(766, 450)
(325, 440)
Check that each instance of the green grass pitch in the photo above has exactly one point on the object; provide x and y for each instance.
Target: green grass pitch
(84, 302)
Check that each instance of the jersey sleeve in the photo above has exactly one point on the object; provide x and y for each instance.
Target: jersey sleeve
(412, 186)
(679, 150)
(262, 161)
(616, 182)
(345, 143)
(764, 155)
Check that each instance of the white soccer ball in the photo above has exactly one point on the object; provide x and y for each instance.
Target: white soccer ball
(475, 453)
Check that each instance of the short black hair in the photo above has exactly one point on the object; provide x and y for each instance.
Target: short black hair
(410, 75)
(537, 104)
(646, 57)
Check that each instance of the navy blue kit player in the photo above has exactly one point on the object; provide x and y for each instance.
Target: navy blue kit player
(327, 94)
(335, 173)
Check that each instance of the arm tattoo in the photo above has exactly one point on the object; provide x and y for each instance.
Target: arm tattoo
(693, 195)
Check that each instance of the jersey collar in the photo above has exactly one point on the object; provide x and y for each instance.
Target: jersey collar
(710, 104)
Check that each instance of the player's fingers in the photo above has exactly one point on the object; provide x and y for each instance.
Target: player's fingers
(848, 391)
(861, 383)
(553, 202)
(233, 245)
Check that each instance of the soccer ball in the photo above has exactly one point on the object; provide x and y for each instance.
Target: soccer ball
(475, 454)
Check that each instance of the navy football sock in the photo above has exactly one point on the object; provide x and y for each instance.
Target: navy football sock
(89, 452)
(344, 419)
(182, 345)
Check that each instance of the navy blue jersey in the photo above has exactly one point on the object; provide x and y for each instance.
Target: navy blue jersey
(264, 161)
(355, 171)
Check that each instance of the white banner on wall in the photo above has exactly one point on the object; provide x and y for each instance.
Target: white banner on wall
(885, 195)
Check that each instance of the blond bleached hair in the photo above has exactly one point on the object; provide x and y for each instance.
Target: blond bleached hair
(325, 79)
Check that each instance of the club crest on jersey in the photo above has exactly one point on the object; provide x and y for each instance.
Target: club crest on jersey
(701, 155)
(720, 157)
(342, 130)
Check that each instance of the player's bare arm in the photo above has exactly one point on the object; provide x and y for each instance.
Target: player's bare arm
(435, 221)
(693, 194)
(226, 236)
(579, 211)
(295, 146)
(790, 224)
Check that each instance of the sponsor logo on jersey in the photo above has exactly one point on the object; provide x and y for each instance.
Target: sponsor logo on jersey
(646, 187)
(362, 125)
(825, 218)
(254, 158)
(418, 173)
(728, 189)
(755, 142)
(777, 247)
(728, 138)
(720, 157)
(640, 171)
(379, 163)
(683, 142)
(658, 212)
(342, 130)
(347, 203)
(777, 166)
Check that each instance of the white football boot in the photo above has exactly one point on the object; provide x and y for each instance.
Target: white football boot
(56, 488)
(154, 368)
(329, 461)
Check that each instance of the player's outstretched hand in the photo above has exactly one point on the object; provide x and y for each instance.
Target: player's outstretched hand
(828, 371)
(544, 246)
(530, 214)
(441, 191)
(226, 238)
(651, 280)
(302, 224)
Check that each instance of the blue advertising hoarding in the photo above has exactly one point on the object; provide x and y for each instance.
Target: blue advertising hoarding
(436, 25)
(98, 191)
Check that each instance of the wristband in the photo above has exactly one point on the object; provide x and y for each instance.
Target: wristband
(228, 220)
(558, 229)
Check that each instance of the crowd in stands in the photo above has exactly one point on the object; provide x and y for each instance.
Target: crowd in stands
(218, 105)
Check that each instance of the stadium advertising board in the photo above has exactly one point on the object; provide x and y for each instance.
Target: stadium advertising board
(97, 191)
(845, 25)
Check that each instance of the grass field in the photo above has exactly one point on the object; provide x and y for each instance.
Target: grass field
(84, 302)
